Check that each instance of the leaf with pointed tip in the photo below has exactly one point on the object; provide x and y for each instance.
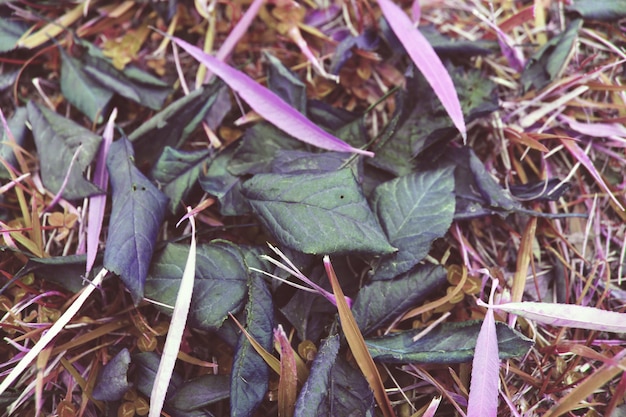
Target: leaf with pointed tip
(177, 172)
(413, 210)
(316, 213)
(426, 59)
(219, 287)
(112, 381)
(138, 209)
(285, 84)
(57, 140)
(384, 300)
(81, 90)
(17, 126)
(313, 397)
(173, 125)
(249, 378)
(447, 343)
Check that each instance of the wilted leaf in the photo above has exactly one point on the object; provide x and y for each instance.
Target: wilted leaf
(447, 343)
(220, 283)
(250, 374)
(138, 209)
(321, 213)
(313, 400)
(81, 90)
(413, 210)
(382, 301)
(173, 125)
(177, 172)
(17, 126)
(112, 382)
(200, 392)
(57, 140)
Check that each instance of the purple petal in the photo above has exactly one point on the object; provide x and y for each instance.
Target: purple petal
(483, 397)
(426, 59)
(267, 104)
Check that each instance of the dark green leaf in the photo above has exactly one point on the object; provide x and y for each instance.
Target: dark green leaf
(329, 117)
(138, 209)
(298, 162)
(313, 398)
(131, 83)
(323, 213)
(605, 10)
(219, 182)
(81, 90)
(111, 383)
(57, 140)
(382, 301)
(10, 32)
(147, 364)
(8, 78)
(549, 61)
(447, 343)
(173, 125)
(413, 210)
(177, 172)
(17, 126)
(255, 153)
(66, 271)
(200, 392)
(249, 379)
(219, 287)
(447, 47)
(285, 84)
(350, 394)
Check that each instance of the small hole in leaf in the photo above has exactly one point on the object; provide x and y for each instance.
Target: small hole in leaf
(134, 187)
(341, 196)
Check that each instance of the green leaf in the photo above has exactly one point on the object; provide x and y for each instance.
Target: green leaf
(138, 209)
(17, 126)
(177, 172)
(255, 153)
(219, 182)
(322, 213)
(66, 271)
(447, 343)
(112, 382)
(57, 140)
(131, 83)
(10, 32)
(549, 61)
(313, 398)
(173, 125)
(298, 162)
(147, 364)
(200, 392)
(82, 91)
(604, 10)
(413, 210)
(351, 394)
(285, 84)
(382, 301)
(219, 287)
(249, 378)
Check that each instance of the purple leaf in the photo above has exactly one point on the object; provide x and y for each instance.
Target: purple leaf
(483, 397)
(426, 60)
(269, 105)
(568, 315)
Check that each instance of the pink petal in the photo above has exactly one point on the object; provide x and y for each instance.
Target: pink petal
(426, 59)
(271, 107)
(483, 397)
(568, 315)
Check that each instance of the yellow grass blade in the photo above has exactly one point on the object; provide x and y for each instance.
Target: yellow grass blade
(51, 30)
(269, 359)
(357, 344)
(524, 257)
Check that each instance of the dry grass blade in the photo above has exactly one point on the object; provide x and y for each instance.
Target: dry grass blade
(269, 359)
(288, 383)
(357, 344)
(524, 257)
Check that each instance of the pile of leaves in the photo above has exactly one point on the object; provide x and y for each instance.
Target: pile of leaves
(305, 223)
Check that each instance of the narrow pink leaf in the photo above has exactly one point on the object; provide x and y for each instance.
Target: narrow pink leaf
(175, 332)
(426, 59)
(432, 407)
(567, 315)
(416, 11)
(483, 397)
(597, 130)
(583, 158)
(270, 106)
(288, 383)
(97, 203)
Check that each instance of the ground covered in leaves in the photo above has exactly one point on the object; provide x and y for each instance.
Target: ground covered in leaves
(319, 136)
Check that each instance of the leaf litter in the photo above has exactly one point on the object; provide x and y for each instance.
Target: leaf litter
(358, 157)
